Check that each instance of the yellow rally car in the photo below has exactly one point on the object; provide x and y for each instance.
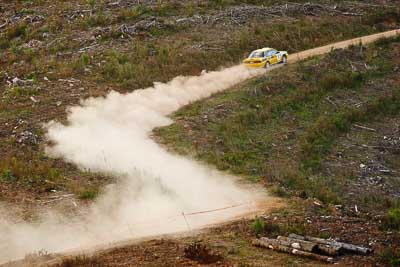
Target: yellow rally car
(265, 57)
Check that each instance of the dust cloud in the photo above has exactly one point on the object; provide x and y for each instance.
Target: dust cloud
(111, 135)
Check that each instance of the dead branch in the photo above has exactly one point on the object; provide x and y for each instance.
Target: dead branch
(4, 24)
(364, 128)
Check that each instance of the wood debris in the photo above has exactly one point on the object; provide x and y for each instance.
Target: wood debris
(241, 15)
(311, 247)
(278, 245)
(345, 246)
(364, 128)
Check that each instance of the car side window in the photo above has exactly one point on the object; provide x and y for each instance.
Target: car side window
(268, 53)
(273, 52)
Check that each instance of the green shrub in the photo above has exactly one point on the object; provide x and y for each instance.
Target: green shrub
(4, 43)
(99, 19)
(390, 257)
(89, 193)
(85, 58)
(7, 176)
(280, 192)
(17, 31)
(133, 13)
(392, 219)
(91, 3)
(258, 226)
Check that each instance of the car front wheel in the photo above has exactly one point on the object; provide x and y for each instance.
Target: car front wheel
(267, 65)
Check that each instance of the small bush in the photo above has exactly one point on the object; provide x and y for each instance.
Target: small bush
(133, 13)
(166, 9)
(91, 3)
(391, 257)
(392, 219)
(89, 193)
(100, 19)
(4, 43)
(85, 58)
(258, 226)
(55, 23)
(7, 176)
(280, 192)
(17, 31)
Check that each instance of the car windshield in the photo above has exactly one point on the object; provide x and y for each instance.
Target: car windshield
(256, 54)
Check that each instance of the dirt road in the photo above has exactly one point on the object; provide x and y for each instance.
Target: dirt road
(340, 45)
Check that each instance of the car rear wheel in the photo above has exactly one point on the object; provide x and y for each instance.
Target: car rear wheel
(284, 60)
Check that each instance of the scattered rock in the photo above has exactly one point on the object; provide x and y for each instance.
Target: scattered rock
(19, 82)
(33, 44)
(27, 137)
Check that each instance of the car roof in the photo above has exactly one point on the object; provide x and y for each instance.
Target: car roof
(263, 49)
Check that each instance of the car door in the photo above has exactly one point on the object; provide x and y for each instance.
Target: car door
(269, 57)
(274, 56)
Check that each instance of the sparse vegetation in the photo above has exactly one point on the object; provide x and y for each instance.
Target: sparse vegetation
(318, 140)
(283, 129)
(89, 193)
(83, 261)
(284, 115)
(391, 257)
(392, 219)
(258, 226)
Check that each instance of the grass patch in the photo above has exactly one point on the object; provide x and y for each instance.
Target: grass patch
(258, 226)
(318, 140)
(36, 174)
(390, 257)
(19, 30)
(392, 219)
(133, 13)
(100, 19)
(81, 261)
(280, 127)
(89, 193)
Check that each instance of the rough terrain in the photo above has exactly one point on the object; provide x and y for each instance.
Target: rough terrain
(122, 46)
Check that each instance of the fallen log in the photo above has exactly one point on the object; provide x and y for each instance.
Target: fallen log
(274, 242)
(314, 247)
(344, 246)
(299, 244)
(274, 245)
